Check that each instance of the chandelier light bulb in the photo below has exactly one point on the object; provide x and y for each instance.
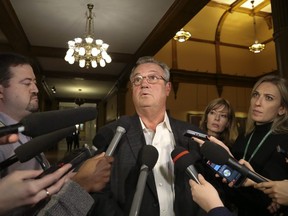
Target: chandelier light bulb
(105, 46)
(67, 57)
(89, 40)
(95, 51)
(81, 51)
(71, 60)
(102, 63)
(108, 59)
(94, 63)
(78, 40)
(71, 43)
(70, 52)
(82, 63)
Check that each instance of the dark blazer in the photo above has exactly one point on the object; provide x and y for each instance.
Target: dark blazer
(220, 211)
(117, 199)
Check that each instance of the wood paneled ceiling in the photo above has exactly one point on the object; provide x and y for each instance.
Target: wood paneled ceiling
(132, 28)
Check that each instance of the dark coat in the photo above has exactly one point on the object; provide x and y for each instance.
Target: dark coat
(118, 198)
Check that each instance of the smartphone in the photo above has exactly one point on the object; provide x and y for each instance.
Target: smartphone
(228, 173)
(76, 158)
(191, 133)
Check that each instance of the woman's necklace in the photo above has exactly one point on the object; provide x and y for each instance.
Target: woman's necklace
(258, 146)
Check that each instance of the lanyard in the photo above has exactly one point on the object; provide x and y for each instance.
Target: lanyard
(258, 146)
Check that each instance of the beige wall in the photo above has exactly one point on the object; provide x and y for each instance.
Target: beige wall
(193, 98)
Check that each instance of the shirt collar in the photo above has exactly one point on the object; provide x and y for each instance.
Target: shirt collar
(166, 123)
(6, 120)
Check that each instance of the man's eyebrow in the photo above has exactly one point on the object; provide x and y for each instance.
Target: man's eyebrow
(27, 79)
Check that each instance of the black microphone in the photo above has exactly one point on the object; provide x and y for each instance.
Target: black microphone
(184, 160)
(102, 138)
(148, 159)
(35, 146)
(219, 155)
(40, 123)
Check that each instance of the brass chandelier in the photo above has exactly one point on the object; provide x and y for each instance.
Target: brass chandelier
(182, 36)
(256, 47)
(88, 51)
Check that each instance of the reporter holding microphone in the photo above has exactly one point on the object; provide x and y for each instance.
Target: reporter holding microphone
(22, 189)
(212, 203)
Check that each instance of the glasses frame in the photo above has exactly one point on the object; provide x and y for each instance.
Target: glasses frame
(152, 80)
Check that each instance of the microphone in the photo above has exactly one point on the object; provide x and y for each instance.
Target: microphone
(148, 159)
(100, 140)
(40, 123)
(219, 155)
(103, 138)
(35, 146)
(114, 142)
(184, 161)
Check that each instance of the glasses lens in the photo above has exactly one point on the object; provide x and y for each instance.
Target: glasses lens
(137, 80)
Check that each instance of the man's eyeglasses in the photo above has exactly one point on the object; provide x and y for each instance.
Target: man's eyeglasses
(151, 79)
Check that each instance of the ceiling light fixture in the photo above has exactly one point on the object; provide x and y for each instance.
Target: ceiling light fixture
(53, 89)
(182, 36)
(78, 100)
(256, 47)
(88, 51)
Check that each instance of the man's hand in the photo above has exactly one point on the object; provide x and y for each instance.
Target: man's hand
(94, 174)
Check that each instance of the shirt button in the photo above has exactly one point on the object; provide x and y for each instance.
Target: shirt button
(160, 184)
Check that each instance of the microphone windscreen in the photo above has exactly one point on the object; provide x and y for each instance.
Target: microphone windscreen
(182, 158)
(214, 152)
(42, 143)
(103, 138)
(40, 123)
(148, 156)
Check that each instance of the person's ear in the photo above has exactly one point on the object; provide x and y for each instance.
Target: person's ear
(282, 111)
(168, 88)
(1, 91)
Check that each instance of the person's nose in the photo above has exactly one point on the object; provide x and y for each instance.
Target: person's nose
(217, 116)
(258, 101)
(144, 81)
(34, 88)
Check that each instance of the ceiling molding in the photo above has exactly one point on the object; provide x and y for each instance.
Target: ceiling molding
(196, 77)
